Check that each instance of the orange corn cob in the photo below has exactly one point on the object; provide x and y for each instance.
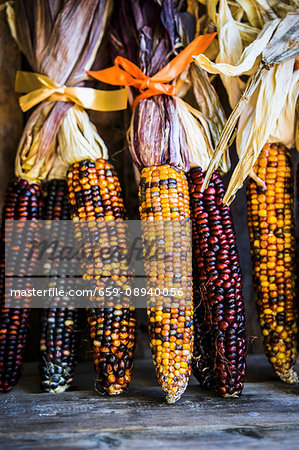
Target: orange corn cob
(272, 239)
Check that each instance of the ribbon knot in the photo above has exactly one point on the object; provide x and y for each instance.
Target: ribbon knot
(38, 88)
(126, 73)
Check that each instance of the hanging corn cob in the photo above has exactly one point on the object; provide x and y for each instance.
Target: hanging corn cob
(219, 330)
(159, 142)
(59, 326)
(22, 201)
(163, 195)
(265, 125)
(95, 195)
(220, 347)
(58, 46)
(271, 227)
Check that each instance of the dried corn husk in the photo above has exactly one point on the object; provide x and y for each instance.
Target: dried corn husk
(272, 93)
(247, 63)
(236, 24)
(229, 38)
(60, 40)
(163, 129)
(210, 108)
(78, 139)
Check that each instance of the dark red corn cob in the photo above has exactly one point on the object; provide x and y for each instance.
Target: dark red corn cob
(59, 337)
(23, 201)
(219, 328)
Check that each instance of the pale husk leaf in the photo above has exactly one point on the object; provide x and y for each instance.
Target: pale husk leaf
(254, 131)
(285, 128)
(197, 134)
(228, 130)
(285, 41)
(230, 50)
(210, 106)
(27, 163)
(78, 138)
(248, 59)
(253, 12)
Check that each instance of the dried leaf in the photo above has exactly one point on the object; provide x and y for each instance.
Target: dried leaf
(150, 33)
(78, 138)
(272, 94)
(230, 50)
(254, 131)
(285, 42)
(156, 135)
(197, 135)
(59, 39)
(210, 106)
(248, 58)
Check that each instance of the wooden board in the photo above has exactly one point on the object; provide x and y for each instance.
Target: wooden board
(266, 416)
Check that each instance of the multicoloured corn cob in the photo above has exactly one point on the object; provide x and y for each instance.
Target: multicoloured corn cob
(58, 347)
(95, 195)
(163, 195)
(272, 239)
(219, 328)
(23, 201)
(58, 341)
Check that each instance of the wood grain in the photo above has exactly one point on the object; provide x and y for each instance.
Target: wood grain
(266, 414)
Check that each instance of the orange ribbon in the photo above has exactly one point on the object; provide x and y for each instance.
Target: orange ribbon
(126, 73)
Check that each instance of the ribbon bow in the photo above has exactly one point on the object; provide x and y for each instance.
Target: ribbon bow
(40, 87)
(126, 73)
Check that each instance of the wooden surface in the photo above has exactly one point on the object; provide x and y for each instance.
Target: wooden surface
(266, 416)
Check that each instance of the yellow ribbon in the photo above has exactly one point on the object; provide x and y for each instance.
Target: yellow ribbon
(40, 87)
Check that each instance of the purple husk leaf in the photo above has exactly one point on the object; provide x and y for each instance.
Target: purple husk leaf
(57, 39)
(158, 136)
(144, 31)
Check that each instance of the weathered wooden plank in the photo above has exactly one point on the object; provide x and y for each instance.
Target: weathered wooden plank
(83, 419)
(241, 438)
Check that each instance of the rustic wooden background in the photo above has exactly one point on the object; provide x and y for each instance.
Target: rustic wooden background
(112, 127)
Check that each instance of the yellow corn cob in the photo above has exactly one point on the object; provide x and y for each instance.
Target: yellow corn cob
(164, 196)
(272, 238)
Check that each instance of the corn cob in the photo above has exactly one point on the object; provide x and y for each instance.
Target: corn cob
(95, 195)
(58, 340)
(219, 328)
(272, 239)
(22, 201)
(163, 195)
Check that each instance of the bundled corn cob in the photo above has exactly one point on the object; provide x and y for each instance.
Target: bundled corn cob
(266, 114)
(219, 336)
(58, 47)
(58, 339)
(162, 133)
(163, 195)
(95, 195)
(271, 226)
(23, 201)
